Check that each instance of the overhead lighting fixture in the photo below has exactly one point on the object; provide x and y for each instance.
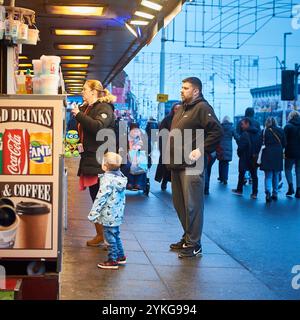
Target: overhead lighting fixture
(131, 29)
(75, 46)
(139, 22)
(74, 77)
(25, 70)
(23, 58)
(76, 57)
(74, 65)
(74, 81)
(75, 87)
(144, 15)
(75, 72)
(151, 5)
(24, 65)
(76, 10)
(65, 32)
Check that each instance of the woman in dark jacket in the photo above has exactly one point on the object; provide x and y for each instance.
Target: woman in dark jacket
(163, 175)
(95, 114)
(224, 150)
(272, 156)
(292, 152)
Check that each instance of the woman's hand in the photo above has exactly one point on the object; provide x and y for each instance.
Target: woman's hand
(75, 111)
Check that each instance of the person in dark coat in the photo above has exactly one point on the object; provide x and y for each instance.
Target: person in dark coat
(95, 114)
(163, 175)
(292, 152)
(249, 145)
(272, 156)
(250, 114)
(224, 150)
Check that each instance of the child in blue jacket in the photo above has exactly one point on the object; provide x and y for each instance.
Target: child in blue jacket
(108, 209)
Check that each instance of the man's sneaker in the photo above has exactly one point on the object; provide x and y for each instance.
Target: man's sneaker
(177, 246)
(237, 192)
(109, 264)
(253, 196)
(190, 252)
(122, 260)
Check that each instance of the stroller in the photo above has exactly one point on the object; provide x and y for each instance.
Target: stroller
(137, 162)
(136, 171)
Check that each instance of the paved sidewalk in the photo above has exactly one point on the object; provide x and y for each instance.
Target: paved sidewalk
(152, 271)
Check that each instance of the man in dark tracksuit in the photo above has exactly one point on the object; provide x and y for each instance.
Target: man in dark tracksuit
(188, 190)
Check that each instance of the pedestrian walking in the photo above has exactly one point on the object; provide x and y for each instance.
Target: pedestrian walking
(249, 145)
(224, 150)
(272, 157)
(292, 152)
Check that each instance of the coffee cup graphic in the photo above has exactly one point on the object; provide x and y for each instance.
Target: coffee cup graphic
(9, 223)
(34, 218)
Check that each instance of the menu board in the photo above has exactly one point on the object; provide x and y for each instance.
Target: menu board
(31, 145)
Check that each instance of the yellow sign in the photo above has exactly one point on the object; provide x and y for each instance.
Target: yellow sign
(162, 97)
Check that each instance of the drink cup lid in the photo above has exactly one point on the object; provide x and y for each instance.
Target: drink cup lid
(31, 208)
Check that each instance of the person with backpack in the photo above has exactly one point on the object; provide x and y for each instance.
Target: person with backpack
(249, 145)
(272, 157)
(292, 152)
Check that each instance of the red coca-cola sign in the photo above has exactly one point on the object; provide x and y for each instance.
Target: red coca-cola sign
(16, 151)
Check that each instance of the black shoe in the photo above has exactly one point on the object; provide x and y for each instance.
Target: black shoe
(190, 252)
(290, 191)
(177, 245)
(237, 192)
(225, 182)
(297, 195)
(268, 197)
(164, 185)
(274, 197)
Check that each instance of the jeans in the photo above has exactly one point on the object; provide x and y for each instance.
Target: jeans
(115, 247)
(253, 173)
(271, 181)
(223, 170)
(288, 166)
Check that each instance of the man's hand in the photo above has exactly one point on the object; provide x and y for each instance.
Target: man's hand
(74, 111)
(195, 155)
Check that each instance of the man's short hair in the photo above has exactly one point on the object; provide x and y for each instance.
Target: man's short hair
(246, 120)
(196, 82)
(249, 112)
(112, 160)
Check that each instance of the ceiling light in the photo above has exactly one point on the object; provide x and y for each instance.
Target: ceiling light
(139, 22)
(144, 15)
(24, 65)
(131, 30)
(151, 5)
(75, 72)
(76, 10)
(74, 65)
(75, 46)
(74, 81)
(64, 32)
(75, 77)
(23, 58)
(76, 57)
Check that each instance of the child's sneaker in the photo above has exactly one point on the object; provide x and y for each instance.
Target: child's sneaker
(109, 264)
(122, 260)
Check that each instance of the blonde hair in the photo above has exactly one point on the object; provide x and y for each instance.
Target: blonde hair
(103, 94)
(112, 160)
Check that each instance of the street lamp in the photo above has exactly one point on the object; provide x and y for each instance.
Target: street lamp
(284, 48)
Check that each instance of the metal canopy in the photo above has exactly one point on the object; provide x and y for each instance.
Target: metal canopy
(115, 46)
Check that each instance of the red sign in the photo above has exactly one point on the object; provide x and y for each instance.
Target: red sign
(15, 151)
